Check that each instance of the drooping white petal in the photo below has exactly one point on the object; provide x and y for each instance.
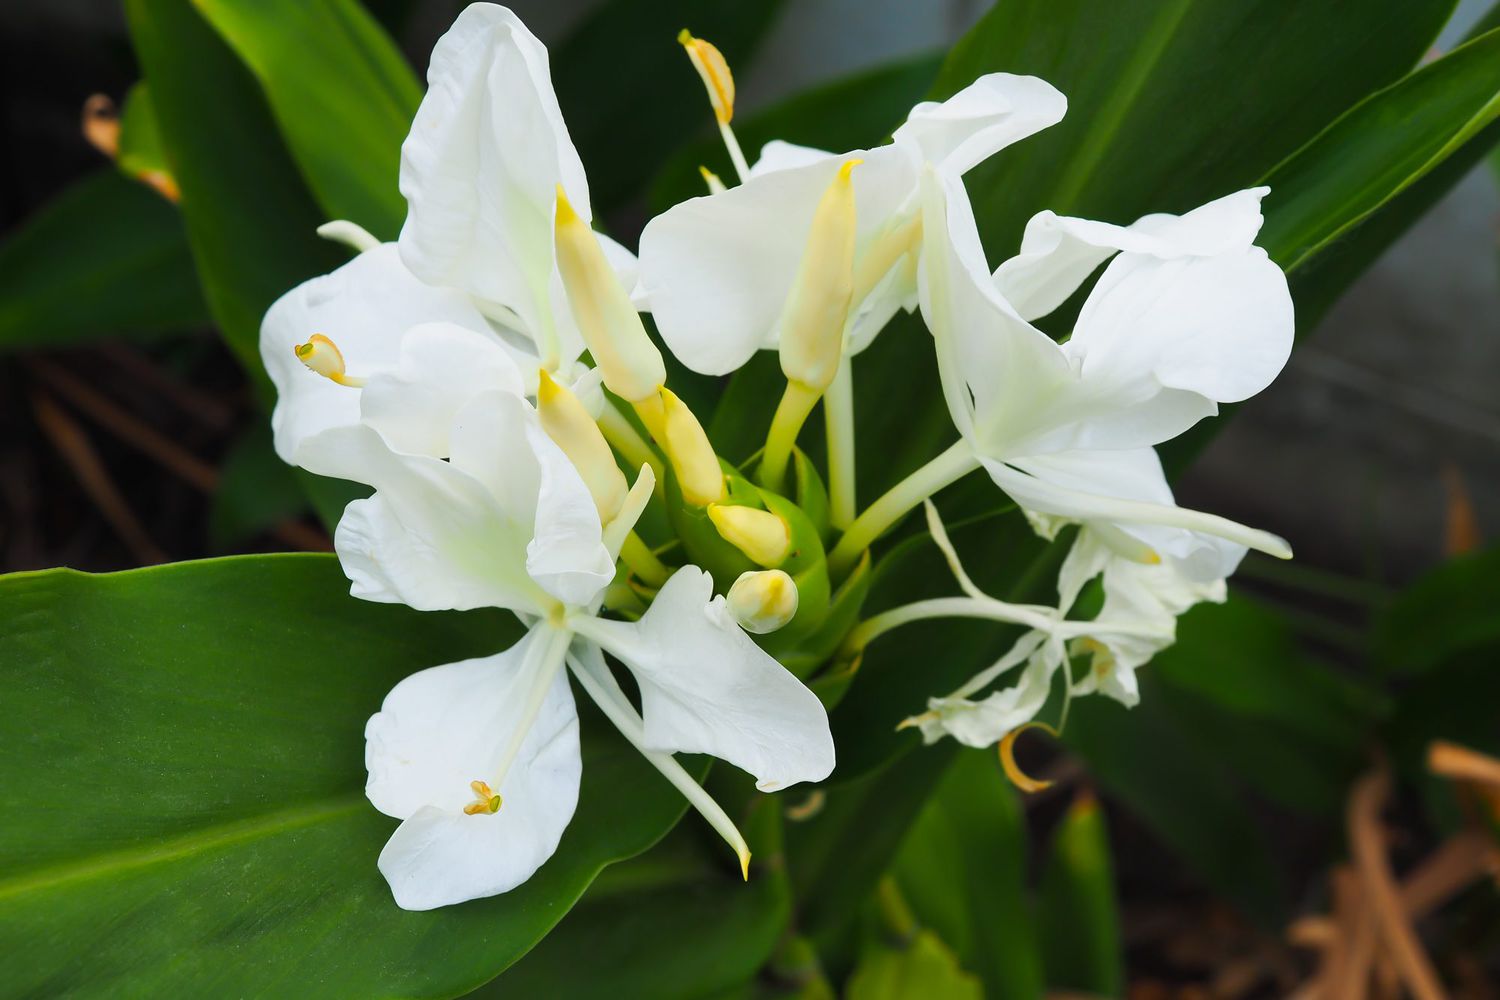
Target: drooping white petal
(985, 722)
(1059, 252)
(444, 727)
(481, 166)
(1218, 326)
(442, 367)
(433, 536)
(980, 120)
(706, 687)
(1002, 378)
(717, 269)
(779, 154)
(364, 307)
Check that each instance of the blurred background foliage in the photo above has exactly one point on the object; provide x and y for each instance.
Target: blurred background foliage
(1304, 800)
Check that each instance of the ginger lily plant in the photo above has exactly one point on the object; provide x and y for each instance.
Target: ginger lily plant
(489, 375)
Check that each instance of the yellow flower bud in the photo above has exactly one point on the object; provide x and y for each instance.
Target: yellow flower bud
(812, 323)
(765, 537)
(611, 327)
(690, 452)
(323, 356)
(714, 69)
(715, 185)
(568, 423)
(763, 600)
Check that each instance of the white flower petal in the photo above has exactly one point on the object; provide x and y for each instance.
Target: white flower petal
(1059, 252)
(443, 366)
(985, 722)
(444, 727)
(779, 154)
(364, 307)
(481, 166)
(1218, 326)
(717, 269)
(567, 555)
(433, 536)
(986, 116)
(706, 687)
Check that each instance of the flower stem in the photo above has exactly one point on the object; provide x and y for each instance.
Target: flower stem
(640, 560)
(736, 155)
(838, 415)
(625, 439)
(988, 608)
(543, 659)
(942, 471)
(791, 413)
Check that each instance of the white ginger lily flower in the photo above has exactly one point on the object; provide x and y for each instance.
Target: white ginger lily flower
(480, 759)
(716, 270)
(1188, 314)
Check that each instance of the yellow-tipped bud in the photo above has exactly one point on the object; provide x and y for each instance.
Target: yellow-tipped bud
(715, 185)
(690, 452)
(764, 537)
(568, 423)
(763, 600)
(712, 67)
(611, 327)
(324, 357)
(812, 324)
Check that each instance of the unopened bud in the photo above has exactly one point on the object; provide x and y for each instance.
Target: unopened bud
(812, 323)
(763, 600)
(714, 69)
(690, 452)
(764, 537)
(568, 423)
(611, 327)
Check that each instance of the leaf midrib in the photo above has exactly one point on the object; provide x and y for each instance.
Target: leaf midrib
(177, 848)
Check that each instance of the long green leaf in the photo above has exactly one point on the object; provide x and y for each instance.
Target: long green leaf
(107, 258)
(963, 871)
(189, 819)
(1076, 910)
(341, 92)
(250, 222)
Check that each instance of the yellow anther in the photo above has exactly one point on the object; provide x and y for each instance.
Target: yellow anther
(764, 537)
(487, 800)
(712, 67)
(568, 423)
(1018, 777)
(715, 185)
(324, 357)
(812, 323)
(699, 474)
(762, 600)
(631, 365)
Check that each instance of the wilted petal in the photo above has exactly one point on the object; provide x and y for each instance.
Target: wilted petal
(706, 687)
(444, 727)
(986, 116)
(364, 307)
(985, 722)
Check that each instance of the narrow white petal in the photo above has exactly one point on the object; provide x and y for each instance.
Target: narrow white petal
(986, 116)
(706, 687)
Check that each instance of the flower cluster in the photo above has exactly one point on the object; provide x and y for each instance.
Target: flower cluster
(489, 375)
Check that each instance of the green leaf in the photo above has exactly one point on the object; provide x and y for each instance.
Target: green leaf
(1171, 104)
(1446, 613)
(341, 92)
(140, 149)
(676, 922)
(1077, 915)
(189, 818)
(250, 222)
(108, 258)
(629, 93)
(1379, 149)
(924, 969)
(962, 869)
(854, 112)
